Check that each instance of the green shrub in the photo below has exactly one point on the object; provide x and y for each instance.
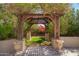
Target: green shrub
(34, 40)
(6, 31)
(28, 42)
(37, 39)
(3, 32)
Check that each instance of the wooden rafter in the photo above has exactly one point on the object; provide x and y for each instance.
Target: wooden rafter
(54, 18)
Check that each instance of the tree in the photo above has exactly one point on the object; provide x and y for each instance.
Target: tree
(68, 23)
(73, 30)
(64, 25)
(21, 8)
(7, 23)
(55, 8)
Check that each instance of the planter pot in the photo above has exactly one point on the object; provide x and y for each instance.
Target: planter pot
(58, 44)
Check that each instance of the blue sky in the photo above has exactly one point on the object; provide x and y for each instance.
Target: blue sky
(75, 5)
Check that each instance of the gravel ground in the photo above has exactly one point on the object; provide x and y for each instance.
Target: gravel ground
(7, 47)
(70, 52)
(49, 51)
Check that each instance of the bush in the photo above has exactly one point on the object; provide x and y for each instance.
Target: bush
(34, 40)
(3, 33)
(37, 39)
(28, 42)
(6, 31)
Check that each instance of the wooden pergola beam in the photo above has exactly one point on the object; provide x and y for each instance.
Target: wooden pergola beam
(41, 15)
(54, 18)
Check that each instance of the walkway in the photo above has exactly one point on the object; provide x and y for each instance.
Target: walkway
(49, 51)
(40, 51)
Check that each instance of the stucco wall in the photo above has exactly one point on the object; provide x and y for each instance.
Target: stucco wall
(71, 41)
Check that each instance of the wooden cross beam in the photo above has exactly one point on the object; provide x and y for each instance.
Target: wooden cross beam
(53, 17)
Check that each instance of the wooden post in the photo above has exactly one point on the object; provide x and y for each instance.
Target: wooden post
(20, 28)
(19, 44)
(29, 35)
(47, 36)
(57, 28)
(58, 43)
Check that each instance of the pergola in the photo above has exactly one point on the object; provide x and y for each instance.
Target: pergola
(53, 17)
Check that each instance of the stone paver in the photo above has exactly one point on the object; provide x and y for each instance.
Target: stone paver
(49, 51)
(40, 51)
